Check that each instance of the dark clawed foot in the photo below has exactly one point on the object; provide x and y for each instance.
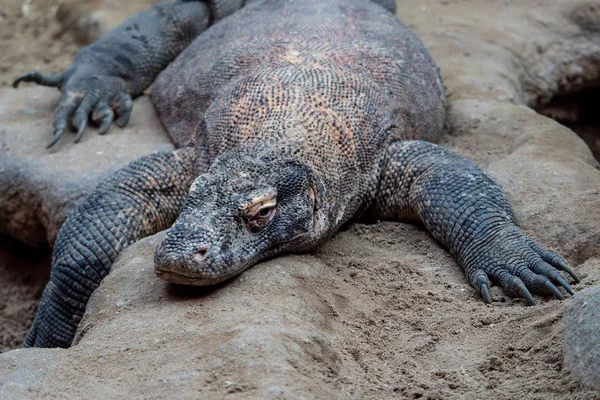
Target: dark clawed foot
(101, 108)
(521, 267)
(87, 96)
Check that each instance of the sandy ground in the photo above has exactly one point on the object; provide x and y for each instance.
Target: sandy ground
(23, 273)
(29, 39)
(419, 330)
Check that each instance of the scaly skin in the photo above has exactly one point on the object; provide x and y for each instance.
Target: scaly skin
(470, 214)
(139, 200)
(107, 74)
(300, 116)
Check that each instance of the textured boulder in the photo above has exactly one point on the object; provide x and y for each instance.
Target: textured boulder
(262, 334)
(582, 337)
(380, 311)
(40, 187)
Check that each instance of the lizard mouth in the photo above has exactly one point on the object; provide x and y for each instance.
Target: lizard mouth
(182, 274)
(194, 280)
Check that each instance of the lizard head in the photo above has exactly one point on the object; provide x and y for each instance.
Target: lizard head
(239, 212)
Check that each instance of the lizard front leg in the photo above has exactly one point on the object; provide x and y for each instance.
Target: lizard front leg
(469, 213)
(109, 73)
(139, 200)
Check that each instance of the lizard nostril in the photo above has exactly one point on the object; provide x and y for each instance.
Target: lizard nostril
(202, 252)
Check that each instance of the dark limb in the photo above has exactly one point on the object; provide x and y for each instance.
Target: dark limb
(389, 5)
(107, 74)
(470, 214)
(137, 201)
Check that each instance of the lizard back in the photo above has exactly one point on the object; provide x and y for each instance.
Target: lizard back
(333, 81)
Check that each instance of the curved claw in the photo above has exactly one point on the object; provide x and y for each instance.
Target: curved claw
(485, 293)
(526, 295)
(554, 290)
(57, 134)
(557, 261)
(80, 130)
(562, 282)
(68, 103)
(82, 115)
(105, 125)
(123, 107)
(103, 115)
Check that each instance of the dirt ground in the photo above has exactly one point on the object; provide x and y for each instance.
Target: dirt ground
(29, 39)
(23, 273)
(422, 333)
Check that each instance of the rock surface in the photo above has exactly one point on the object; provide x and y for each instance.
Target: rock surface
(380, 311)
(40, 187)
(265, 324)
(582, 337)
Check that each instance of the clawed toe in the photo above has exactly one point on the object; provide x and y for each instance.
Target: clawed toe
(554, 290)
(522, 269)
(525, 293)
(561, 264)
(555, 260)
(562, 282)
(56, 137)
(86, 96)
(485, 293)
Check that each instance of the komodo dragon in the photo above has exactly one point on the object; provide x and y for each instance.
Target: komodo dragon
(291, 118)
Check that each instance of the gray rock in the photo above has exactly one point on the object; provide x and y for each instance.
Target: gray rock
(581, 349)
(260, 335)
(40, 187)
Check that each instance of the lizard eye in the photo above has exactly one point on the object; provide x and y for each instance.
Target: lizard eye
(260, 213)
(265, 212)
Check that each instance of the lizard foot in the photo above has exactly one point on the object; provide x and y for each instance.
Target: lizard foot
(87, 95)
(519, 265)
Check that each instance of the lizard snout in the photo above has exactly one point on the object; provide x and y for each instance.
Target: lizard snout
(175, 265)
